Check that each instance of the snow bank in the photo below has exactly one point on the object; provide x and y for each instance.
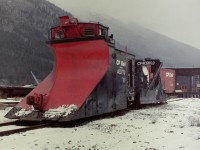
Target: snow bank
(64, 111)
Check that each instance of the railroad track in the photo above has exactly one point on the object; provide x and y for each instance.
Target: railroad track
(8, 104)
(19, 128)
(173, 100)
(23, 127)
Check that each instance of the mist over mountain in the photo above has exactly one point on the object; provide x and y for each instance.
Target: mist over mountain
(24, 28)
(146, 43)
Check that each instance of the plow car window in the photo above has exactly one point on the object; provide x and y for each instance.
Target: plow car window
(88, 31)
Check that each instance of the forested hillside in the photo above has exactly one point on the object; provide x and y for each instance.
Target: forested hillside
(24, 28)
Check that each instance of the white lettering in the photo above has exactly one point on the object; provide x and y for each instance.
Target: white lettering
(121, 63)
(117, 62)
(121, 72)
(145, 63)
(123, 79)
(169, 74)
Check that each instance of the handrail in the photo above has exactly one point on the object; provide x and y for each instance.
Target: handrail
(154, 79)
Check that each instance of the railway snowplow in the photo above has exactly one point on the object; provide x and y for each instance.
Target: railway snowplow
(90, 77)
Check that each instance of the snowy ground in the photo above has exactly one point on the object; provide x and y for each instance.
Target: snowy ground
(173, 126)
(14, 99)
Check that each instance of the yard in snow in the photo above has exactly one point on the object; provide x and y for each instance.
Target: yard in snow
(172, 126)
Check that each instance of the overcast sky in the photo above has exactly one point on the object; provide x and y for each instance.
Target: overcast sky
(178, 19)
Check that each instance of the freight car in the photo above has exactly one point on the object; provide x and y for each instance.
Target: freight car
(90, 77)
(181, 82)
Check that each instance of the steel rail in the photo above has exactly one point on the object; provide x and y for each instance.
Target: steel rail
(19, 130)
(8, 123)
(180, 99)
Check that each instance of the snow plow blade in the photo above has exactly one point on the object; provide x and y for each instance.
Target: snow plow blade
(78, 68)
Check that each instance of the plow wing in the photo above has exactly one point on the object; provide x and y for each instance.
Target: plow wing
(78, 68)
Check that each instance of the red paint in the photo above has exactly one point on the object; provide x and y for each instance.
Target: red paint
(68, 30)
(78, 68)
(168, 77)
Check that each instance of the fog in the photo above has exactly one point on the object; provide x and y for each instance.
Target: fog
(178, 19)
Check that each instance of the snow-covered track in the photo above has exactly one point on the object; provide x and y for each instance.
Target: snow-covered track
(8, 104)
(7, 123)
(178, 99)
(19, 129)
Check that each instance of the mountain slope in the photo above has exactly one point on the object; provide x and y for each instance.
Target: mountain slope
(147, 43)
(24, 28)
